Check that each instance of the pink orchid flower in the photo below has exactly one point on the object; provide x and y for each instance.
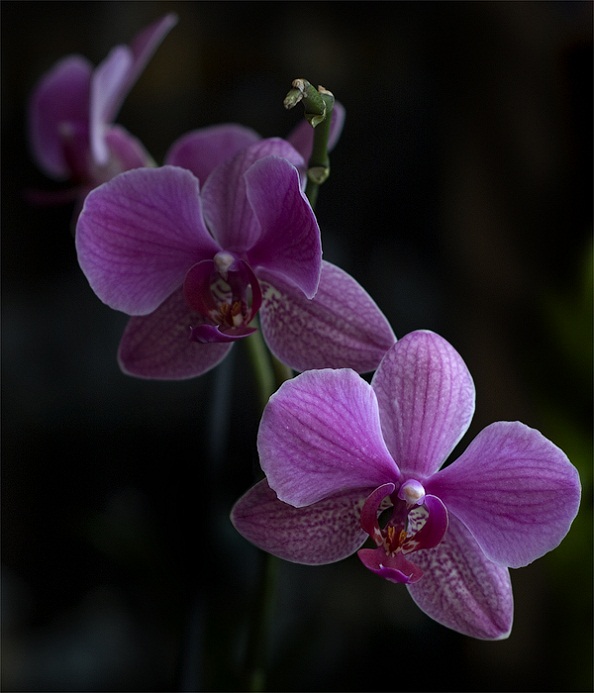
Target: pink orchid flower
(72, 109)
(193, 264)
(346, 461)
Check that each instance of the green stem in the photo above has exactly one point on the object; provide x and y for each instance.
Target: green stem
(269, 371)
(318, 168)
(315, 106)
(270, 374)
(318, 104)
(262, 366)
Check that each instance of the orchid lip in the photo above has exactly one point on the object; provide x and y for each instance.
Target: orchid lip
(226, 294)
(417, 521)
(208, 334)
(395, 568)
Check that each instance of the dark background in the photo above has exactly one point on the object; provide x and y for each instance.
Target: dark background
(460, 196)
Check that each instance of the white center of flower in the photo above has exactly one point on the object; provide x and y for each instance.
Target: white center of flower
(223, 260)
(412, 492)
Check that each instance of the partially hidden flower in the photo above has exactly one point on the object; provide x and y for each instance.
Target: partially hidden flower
(346, 461)
(193, 264)
(72, 109)
(203, 149)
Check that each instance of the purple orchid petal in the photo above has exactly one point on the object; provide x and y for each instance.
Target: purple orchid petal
(158, 346)
(515, 491)
(138, 235)
(127, 150)
(289, 245)
(227, 210)
(61, 97)
(201, 151)
(324, 532)
(114, 77)
(75, 151)
(393, 568)
(426, 399)
(320, 435)
(340, 327)
(462, 589)
(302, 135)
(106, 86)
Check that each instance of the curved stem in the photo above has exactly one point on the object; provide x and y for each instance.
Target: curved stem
(318, 104)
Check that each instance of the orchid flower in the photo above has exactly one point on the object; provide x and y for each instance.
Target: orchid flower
(201, 150)
(194, 265)
(72, 109)
(346, 461)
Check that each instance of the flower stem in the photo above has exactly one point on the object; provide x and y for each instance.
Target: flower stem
(262, 366)
(269, 371)
(318, 104)
(270, 374)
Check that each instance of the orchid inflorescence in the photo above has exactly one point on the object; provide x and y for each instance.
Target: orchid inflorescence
(221, 241)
